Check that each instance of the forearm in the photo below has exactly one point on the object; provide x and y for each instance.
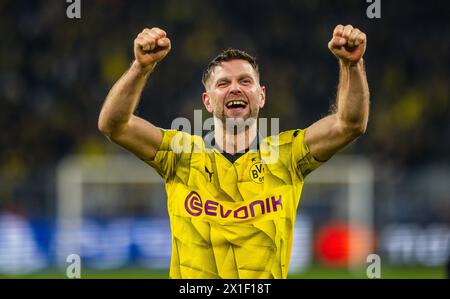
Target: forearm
(353, 96)
(123, 99)
(330, 134)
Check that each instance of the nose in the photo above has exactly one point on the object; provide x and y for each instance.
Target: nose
(235, 89)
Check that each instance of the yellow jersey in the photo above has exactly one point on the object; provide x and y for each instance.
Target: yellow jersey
(232, 220)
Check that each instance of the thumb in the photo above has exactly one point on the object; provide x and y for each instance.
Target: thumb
(163, 42)
(337, 42)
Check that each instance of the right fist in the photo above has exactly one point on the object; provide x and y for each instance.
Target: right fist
(151, 46)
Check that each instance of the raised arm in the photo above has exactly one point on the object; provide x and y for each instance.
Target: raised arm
(349, 120)
(116, 119)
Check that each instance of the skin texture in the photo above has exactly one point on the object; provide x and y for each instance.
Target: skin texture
(332, 133)
(237, 80)
(116, 119)
(234, 80)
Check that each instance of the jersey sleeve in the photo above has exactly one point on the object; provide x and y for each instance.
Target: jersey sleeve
(169, 153)
(302, 157)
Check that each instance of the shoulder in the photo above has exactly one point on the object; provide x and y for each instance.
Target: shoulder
(285, 137)
(279, 148)
(179, 141)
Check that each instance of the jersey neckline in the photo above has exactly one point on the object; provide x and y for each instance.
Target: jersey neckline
(232, 158)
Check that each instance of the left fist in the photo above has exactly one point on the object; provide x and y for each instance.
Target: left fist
(348, 44)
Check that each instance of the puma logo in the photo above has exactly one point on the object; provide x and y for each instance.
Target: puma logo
(209, 173)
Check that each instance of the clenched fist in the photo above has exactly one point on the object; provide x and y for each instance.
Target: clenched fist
(150, 47)
(348, 43)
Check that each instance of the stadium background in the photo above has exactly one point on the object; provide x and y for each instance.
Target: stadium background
(55, 73)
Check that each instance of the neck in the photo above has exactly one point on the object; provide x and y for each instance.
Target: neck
(234, 139)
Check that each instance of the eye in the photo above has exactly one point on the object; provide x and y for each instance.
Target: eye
(222, 83)
(246, 81)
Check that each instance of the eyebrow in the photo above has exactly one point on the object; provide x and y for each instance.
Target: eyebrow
(240, 77)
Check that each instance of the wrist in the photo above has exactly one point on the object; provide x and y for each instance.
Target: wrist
(142, 69)
(348, 64)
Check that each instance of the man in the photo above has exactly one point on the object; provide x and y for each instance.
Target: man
(232, 209)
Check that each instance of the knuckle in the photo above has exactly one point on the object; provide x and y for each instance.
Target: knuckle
(150, 37)
(158, 30)
(149, 34)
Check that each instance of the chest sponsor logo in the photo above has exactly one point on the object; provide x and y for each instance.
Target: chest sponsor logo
(195, 207)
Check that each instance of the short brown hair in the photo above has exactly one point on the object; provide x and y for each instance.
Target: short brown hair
(228, 55)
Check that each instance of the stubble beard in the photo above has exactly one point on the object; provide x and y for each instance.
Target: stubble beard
(237, 125)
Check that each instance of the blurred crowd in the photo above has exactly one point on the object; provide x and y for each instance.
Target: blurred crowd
(55, 73)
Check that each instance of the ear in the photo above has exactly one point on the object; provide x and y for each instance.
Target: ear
(207, 102)
(262, 97)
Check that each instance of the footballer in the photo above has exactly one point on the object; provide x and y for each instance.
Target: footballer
(231, 205)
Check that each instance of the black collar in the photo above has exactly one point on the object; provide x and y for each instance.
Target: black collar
(210, 142)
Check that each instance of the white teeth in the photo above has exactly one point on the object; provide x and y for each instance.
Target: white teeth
(236, 103)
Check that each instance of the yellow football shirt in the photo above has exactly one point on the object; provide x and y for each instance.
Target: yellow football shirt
(232, 220)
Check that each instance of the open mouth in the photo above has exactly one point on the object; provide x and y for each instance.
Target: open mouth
(236, 104)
